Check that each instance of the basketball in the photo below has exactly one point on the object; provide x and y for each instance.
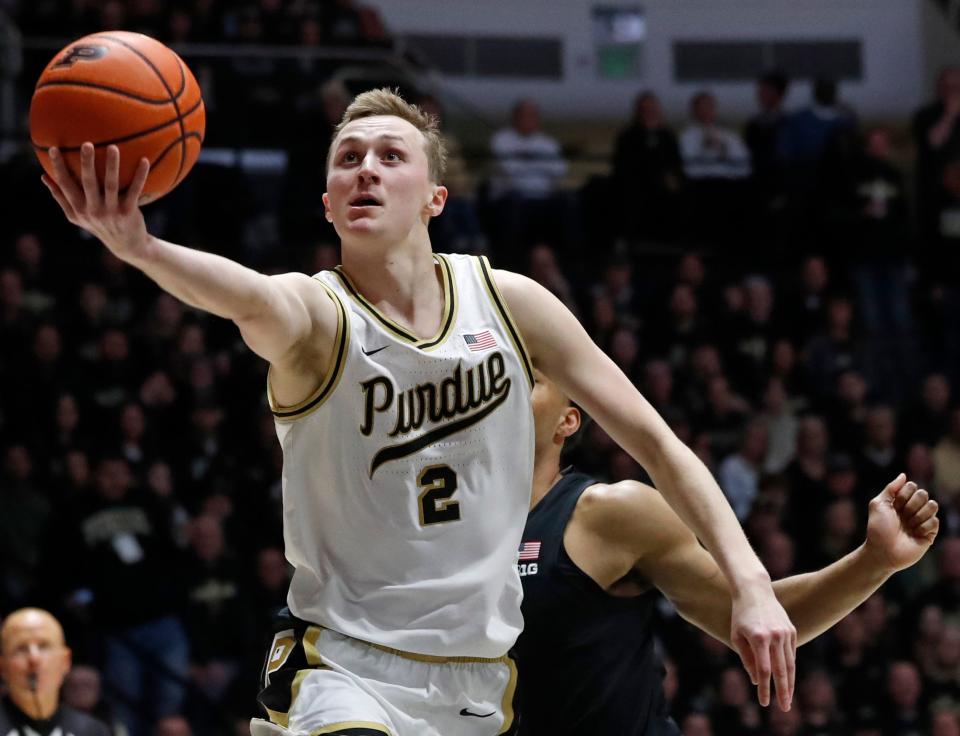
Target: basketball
(124, 89)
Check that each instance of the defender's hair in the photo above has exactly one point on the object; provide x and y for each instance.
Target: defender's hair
(385, 101)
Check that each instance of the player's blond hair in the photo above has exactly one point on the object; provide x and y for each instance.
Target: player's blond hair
(385, 101)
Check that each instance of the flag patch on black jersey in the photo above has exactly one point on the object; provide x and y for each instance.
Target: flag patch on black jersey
(480, 341)
(529, 551)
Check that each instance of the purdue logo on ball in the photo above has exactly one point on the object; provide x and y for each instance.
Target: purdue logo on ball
(81, 53)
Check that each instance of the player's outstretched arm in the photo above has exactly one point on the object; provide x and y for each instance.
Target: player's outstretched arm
(274, 313)
(562, 350)
(901, 527)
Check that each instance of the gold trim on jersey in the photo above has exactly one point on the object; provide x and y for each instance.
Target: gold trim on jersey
(486, 277)
(334, 727)
(450, 306)
(310, 638)
(338, 359)
(506, 705)
(283, 719)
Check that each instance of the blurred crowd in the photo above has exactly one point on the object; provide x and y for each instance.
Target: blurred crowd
(785, 293)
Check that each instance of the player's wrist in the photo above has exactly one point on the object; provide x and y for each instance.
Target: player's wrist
(874, 561)
(750, 586)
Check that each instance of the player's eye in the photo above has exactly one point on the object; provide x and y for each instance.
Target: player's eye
(393, 156)
(349, 157)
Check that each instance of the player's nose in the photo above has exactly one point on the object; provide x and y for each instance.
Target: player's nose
(368, 170)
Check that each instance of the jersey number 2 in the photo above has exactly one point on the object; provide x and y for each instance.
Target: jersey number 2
(439, 483)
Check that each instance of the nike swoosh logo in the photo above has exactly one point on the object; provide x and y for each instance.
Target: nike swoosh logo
(465, 712)
(375, 350)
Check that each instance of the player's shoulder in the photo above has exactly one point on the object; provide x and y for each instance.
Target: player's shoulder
(616, 508)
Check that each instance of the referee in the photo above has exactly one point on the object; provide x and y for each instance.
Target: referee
(33, 662)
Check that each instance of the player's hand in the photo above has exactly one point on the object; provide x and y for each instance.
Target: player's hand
(902, 524)
(766, 640)
(101, 210)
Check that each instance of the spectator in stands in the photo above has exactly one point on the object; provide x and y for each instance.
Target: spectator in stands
(928, 420)
(709, 150)
(528, 166)
(946, 459)
(34, 659)
(120, 540)
(739, 474)
(82, 691)
(905, 707)
(545, 270)
(173, 726)
(762, 134)
(835, 349)
(780, 419)
(818, 703)
(716, 163)
(936, 135)
(879, 459)
(24, 514)
(647, 176)
(216, 617)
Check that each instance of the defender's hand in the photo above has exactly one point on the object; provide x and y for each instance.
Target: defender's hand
(902, 524)
(766, 641)
(102, 211)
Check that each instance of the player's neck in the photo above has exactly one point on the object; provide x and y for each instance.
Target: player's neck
(546, 473)
(401, 280)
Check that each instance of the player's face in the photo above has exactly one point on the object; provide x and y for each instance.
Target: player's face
(33, 643)
(378, 182)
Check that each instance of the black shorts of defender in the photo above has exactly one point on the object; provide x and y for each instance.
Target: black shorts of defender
(287, 658)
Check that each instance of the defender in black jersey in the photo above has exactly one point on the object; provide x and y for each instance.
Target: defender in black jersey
(594, 556)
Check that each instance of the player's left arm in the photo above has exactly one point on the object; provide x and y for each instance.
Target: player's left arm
(562, 350)
(901, 527)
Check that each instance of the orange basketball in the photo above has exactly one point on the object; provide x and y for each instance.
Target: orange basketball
(124, 89)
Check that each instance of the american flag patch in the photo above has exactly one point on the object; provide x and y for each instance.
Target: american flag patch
(529, 551)
(480, 341)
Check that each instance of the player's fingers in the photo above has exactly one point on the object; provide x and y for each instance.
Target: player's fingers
(761, 653)
(742, 647)
(58, 196)
(88, 176)
(894, 486)
(929, 528)
(924, 514)
(135, 189)
(905, 494)
(64, 179)
(917, 501)
(111, 178)
(790, 659)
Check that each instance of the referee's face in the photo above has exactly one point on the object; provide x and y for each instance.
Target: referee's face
(31, 643)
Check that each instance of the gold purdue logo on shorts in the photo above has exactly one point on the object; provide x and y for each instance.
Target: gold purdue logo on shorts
(283, 643)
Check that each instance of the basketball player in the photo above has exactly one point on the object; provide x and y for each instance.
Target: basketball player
(400, 383)
(593, 556)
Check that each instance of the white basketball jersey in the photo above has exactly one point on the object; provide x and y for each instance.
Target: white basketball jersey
(407, 474)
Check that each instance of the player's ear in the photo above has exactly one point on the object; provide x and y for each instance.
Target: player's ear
(570, 422)
(437, 201)
(326, 207)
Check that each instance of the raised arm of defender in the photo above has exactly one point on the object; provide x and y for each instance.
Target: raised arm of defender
(285, 319)
(901, 527)
(562, 350)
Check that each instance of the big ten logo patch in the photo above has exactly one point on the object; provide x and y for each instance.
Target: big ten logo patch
(527, 568)
(81, 53)
(283, 643)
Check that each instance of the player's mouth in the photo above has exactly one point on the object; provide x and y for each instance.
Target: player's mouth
(363, 201)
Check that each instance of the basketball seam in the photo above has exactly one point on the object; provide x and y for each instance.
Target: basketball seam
(130, 137)
(182, 140)
(95, 85)
(173, 100)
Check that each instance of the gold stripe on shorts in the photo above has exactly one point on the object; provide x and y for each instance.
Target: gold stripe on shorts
(379, 727)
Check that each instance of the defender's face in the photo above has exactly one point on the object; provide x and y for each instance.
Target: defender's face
(549, 408)
(378, 182)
